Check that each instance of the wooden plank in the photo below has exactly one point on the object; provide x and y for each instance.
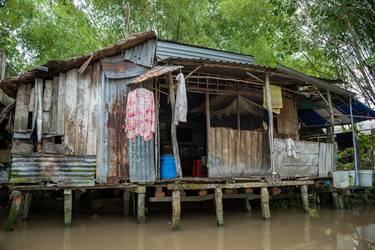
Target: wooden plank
(70, 110)
(61, 104)
(22, 108)
(38, 108)
(92, 133)
(46, 105)
(287, 120)
(31, 102)
(54, 106)
(82, 109)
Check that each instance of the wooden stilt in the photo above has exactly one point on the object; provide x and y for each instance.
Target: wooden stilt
(141, 198)
(219, 207)
(11, 221)
(126, 200)
(335, 200)
(141, 218)
(26, 206)
(264, 197)
(77, 201)
(67, 207)
(305, 198)
(341, 201)
(247, 204)
(176, 210)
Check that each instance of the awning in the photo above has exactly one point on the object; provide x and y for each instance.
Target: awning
(155, 72)
(319, 117)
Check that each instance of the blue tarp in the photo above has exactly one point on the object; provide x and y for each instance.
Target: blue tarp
(361, 112)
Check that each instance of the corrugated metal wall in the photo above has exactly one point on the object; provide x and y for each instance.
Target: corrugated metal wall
(142, 160)
(113, 144)
(59, 169)
(143, 54)
(233, 153)
(327, 158)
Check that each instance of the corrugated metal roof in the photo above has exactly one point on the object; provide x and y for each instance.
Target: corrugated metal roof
(165, 50)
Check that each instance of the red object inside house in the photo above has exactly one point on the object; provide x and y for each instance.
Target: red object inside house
(198, 170)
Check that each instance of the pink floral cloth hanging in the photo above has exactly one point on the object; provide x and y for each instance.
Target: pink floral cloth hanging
(140, 114)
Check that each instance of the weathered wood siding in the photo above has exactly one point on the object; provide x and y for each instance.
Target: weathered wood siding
(287, 120)
(22, 108)
(313, 159)
(233, 153)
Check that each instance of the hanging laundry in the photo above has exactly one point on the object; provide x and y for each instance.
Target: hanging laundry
(276, 98)
(140, 114)
(290, 148)
(181, 106)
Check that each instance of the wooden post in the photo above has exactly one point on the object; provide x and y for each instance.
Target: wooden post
(126, 200)
(176, 153)
(26, 206)
(247, 204)
(305, 198)
(141, 195)
(270, 121)
(77, 201)
(208, 125)
(373, 149)
(332, 119)
(238, 110)
(12, 219)
(67, 207)
(264, 197)
(176, 210)
(219, 207)
(335, 200)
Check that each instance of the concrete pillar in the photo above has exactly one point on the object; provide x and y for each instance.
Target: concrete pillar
(141, 217)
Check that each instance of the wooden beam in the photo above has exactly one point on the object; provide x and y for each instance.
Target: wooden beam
(141, 218)
(176, 153)
(270, 122)
(332, 118)
(26, 206)
(126, 200)
(219, 207)
(305, 198)
(67, 207)
(192, 72)
(176, 210)
(11, 222)
(264, 197)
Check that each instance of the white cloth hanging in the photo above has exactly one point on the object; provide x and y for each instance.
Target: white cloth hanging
(290, 148)
(181, 107)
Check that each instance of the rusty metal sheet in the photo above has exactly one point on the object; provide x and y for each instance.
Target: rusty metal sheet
(233, 153)
(141, 160)
(154, 72)
(113, 144)
(142, 54)
(59, 169)
(116, 67)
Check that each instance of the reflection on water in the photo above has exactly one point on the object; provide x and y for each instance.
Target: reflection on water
(288, 229)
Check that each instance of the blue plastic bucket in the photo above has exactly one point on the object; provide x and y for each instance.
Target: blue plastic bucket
(167, 167)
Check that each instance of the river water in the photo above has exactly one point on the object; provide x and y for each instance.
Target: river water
(289, 229)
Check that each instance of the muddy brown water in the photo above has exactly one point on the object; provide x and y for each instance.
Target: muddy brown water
(289, 229)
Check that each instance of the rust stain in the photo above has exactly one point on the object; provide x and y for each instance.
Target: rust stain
(117, 140)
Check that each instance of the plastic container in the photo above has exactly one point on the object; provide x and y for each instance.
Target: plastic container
(167, 167)
(341, 179)
(365, 178)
